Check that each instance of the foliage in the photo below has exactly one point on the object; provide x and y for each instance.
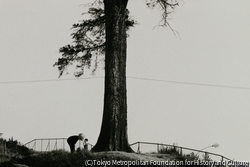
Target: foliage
(193, 156)
(13, 147)
(88, 42)
(206, 157)
(169, 150)
(88, 37)
(167, 6)
(177, 155)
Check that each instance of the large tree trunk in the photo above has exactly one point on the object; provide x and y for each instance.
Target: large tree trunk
(113, 135)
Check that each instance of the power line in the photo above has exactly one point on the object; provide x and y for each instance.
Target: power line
(48, 80)
(191, 83)
(137, 78)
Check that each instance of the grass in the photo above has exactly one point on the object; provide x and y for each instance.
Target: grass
(60, 158)
(12, 148)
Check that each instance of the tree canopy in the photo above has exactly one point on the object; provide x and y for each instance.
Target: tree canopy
(88, 48)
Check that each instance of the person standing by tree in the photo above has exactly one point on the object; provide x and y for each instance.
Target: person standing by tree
(72, 141)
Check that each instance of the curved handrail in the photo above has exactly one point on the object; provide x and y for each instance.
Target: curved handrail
(139, 142)
(186, 148)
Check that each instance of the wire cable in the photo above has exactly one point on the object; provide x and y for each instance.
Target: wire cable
(48, 80)
(137, 78)
(191, 83)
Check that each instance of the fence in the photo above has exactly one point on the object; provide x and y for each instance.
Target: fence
(180, 149)
(50, 144)
(60, 143)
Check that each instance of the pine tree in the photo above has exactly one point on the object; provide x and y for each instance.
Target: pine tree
(105, 33)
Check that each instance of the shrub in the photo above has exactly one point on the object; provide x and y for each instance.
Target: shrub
(169, 150)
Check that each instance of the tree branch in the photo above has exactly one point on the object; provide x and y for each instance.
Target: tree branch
(168, 8)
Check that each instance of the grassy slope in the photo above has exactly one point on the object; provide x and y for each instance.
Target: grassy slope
(61, 158)
(18, 155)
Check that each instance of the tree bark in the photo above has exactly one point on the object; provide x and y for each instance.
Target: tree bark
(113, 135)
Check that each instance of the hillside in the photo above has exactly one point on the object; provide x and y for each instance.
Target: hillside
(81, 158)
(17, 155)
(13, 154)
(12, 148)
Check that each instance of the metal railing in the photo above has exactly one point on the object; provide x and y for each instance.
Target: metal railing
(49, 144)
(180, 149)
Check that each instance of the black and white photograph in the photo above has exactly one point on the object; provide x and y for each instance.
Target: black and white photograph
(124, 83)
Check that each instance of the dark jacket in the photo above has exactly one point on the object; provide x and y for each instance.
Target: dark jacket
(72, 139)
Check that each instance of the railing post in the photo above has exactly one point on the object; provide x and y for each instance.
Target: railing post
(157, 147)
(63, 144)
(34, 145)
(138, 150)
(205, 157)
(48, 146)
(56, 144)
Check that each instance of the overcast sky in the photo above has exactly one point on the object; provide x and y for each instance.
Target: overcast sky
(213, 49)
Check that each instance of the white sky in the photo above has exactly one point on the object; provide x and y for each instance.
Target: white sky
(213, 50)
